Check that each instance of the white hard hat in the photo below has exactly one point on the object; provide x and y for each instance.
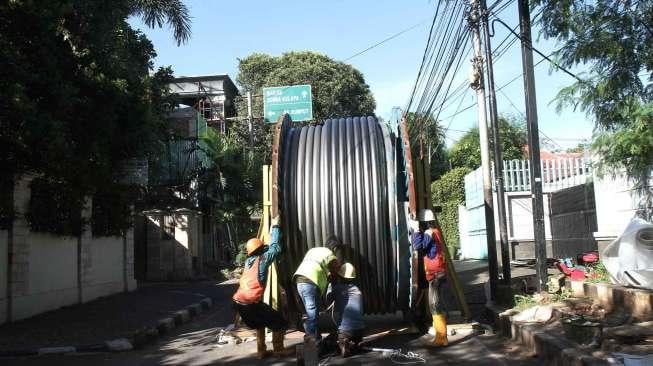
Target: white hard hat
(425, 215)
(347, 270)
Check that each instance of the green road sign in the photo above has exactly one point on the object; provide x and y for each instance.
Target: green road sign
(296, 100)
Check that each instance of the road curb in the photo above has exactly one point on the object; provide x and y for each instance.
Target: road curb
(138, 339)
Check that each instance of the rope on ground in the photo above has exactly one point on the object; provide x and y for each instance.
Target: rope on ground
(397, 357)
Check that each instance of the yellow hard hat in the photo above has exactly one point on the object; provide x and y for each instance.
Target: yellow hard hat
(347, 270)
(252, 245)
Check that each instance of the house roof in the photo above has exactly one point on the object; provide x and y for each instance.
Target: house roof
(194, 79)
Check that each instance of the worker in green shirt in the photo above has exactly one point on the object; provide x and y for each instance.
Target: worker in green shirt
(312, 279)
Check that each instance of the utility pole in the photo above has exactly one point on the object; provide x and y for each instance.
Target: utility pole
(478, 84)
(496, 140)
(249, 117)
(533, 143)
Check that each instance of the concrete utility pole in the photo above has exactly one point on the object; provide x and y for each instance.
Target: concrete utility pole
(478, 84)
(496, 140)
(249, 117)
(533, 144)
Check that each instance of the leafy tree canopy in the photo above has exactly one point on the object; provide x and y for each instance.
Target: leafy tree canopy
(77, 94)
(466, 152)
(338, 88)
(613, 39)
(427, 141)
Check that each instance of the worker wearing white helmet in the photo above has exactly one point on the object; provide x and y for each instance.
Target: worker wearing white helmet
(427, 241)
(348, 300)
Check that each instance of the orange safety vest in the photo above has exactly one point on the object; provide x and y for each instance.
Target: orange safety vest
(250, 290)
(437, 265)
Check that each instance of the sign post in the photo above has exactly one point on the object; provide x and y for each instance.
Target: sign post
(295, 100)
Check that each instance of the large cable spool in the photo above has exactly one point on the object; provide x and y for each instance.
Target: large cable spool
(339, 178)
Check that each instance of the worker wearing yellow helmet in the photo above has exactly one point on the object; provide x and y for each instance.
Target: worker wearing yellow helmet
(248, 298)
(348, 304)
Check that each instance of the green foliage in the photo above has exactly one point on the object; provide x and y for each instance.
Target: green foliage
(523, 302)
(54, 208)
(338, 88)
(426, 135)
(449, 192)
(77, 96)
(240, 174)
(581, 147)
(241, 256)
(613, 41)
(466, 152)
(173, 12)
(111, 214)
(598, 274)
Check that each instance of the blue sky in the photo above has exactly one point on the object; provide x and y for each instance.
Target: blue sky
(224, 31)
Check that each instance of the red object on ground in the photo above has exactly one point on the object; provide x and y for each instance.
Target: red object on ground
(577, 275)
(589, 257)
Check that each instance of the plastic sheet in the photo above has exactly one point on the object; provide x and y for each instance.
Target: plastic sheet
(629, 259)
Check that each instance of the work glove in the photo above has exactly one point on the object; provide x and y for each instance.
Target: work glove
(276, 221)
(413, 226)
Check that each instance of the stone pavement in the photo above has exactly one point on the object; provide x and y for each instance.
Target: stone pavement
(112, 317)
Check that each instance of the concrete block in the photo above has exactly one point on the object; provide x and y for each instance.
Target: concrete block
(181, 317)
(56, 350)
(608, 296)
(577, 288)
(165, 325)
(194, 309)
(144, 336)
(119, 345)
(206, 303)
(640, 303)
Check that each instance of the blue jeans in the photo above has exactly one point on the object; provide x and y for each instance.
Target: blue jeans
(349, 304)
(309, 293)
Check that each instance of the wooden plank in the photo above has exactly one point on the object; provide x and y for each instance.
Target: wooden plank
(412, 200)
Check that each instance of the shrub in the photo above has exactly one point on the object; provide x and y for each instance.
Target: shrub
(449, 192)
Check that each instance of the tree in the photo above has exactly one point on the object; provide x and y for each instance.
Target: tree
(466, 152)
(613, 41)
(338, 88)
(156, 12)
(427, 140)
(448, 192)
(77, 95)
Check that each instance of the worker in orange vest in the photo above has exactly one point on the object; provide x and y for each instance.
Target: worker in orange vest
(427, 241)
(248, 298)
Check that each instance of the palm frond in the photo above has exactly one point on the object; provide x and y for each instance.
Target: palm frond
(156, 13)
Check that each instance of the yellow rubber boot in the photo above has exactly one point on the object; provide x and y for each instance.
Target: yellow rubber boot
(440, 327)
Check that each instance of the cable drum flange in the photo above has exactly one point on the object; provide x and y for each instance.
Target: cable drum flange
(338, 179)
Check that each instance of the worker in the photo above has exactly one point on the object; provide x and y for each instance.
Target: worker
(312, 278)
(428, 244)
(348, 303)
(248, 298)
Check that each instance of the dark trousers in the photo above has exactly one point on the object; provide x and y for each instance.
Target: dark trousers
(261, 315)
(435, 294)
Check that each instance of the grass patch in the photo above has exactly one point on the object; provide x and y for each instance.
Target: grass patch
(598, 274)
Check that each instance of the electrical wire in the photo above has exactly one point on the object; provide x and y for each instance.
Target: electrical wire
(386, 40)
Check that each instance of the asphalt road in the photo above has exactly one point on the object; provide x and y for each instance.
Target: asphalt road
(194, 344)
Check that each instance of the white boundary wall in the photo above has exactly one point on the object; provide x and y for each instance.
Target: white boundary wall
(48, 271)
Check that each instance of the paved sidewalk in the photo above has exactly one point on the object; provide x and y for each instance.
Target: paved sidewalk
(116, 316)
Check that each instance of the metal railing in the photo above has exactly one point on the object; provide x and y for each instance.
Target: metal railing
(556, 174)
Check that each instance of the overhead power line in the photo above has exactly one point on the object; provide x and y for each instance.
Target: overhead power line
(386, 40)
